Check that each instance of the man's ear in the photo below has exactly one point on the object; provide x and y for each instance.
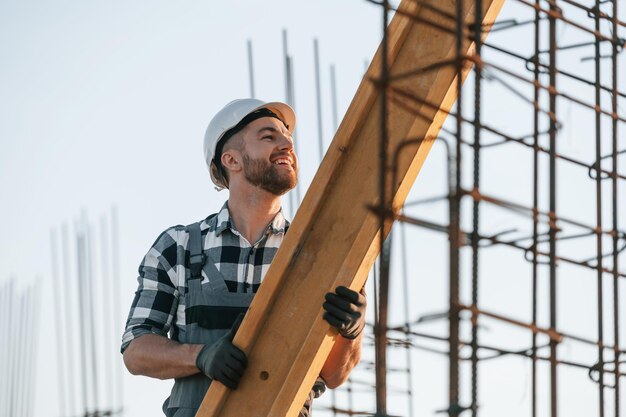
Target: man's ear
(231, 160)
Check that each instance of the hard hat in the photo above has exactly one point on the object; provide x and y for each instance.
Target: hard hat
(228, 118)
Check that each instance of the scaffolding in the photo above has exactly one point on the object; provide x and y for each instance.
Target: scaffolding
(533, 230)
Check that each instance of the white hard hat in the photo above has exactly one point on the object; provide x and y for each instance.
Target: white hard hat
(228, 118)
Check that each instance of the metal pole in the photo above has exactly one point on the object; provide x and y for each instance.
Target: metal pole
(600, 274)
(12, 331)
(535, 216)
(117, 279)
(36, 328)
(60, 339)
(294, 200)
(553, 228)
(251, 69)
(407, 316)
(69, 310)
(34, 309)
(14, 308)
(455, 232)
(333, 95)
(22, 346)
(614, 187)
(476, 204)
(4, 352)
(82, 313)
(91, 281)
(107, 333)
(385, 244)
(318, 95)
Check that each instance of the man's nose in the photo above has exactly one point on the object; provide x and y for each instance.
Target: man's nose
(286, 143)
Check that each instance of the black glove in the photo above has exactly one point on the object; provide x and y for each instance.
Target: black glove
(345, 311)
(222, 360)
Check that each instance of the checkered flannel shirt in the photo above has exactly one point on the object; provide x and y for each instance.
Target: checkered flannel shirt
(158, 307)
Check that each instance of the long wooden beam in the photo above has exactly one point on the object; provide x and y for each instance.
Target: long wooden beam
(334, 238)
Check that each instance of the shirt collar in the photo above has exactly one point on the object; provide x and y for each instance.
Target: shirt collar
(223, 221)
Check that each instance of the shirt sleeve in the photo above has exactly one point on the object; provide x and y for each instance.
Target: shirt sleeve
(154, 307)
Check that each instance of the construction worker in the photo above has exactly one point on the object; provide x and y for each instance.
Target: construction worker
(195, 281)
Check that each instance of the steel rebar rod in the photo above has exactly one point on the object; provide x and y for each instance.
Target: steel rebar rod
(318, 99)
(107, 334)
(92, 309)
(82, 313)
(598, 181)
(333, 96)
(380, 329)
(69, 315)
(454, 408)
(294, 199)
(407, 314)
(535, 212)
(477, 30)
(251, 69)
(117, 279)
(60, 338)
(614, 207)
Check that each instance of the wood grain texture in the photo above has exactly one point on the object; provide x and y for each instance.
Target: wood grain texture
(334, 237)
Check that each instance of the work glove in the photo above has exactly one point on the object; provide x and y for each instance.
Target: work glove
(222, 360)
(345, 311)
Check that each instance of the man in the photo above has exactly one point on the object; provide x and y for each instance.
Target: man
(195, 281)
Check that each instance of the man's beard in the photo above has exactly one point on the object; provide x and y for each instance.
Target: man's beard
(267, 176)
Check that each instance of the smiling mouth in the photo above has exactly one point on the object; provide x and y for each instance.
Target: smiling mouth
(285, 162)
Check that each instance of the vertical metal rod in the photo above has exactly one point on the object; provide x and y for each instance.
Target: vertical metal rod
(333, 95)
(600, 290)
(375, 282)
(251, 69)
(22, 346)
(407, 318)
(33, 355)
(69, 307)
(553, 227)
(385, 244)
(107, 333)
(454, 408)
(318, 95)
(296, 144)
(535, 271)
(81, 331)
(57, 284)
(287, 62)
(287, 69)
(614, 187)
(478, 18)
(4, 352)
(33, 337)
(93, 308)
(294, 200)
(117, 279)
(13, 331)
(375, 270)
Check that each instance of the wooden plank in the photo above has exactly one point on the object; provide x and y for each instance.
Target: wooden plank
(335, 236)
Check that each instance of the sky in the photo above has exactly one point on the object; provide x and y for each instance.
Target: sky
(104, 104)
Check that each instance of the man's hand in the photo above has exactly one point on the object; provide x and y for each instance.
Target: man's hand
(345, 311)
(222, 360)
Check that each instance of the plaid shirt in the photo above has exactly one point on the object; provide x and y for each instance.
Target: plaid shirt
(158, 307)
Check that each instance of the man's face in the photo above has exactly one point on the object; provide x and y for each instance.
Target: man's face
(269, 159)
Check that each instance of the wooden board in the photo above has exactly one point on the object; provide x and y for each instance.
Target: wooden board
(334, 238)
